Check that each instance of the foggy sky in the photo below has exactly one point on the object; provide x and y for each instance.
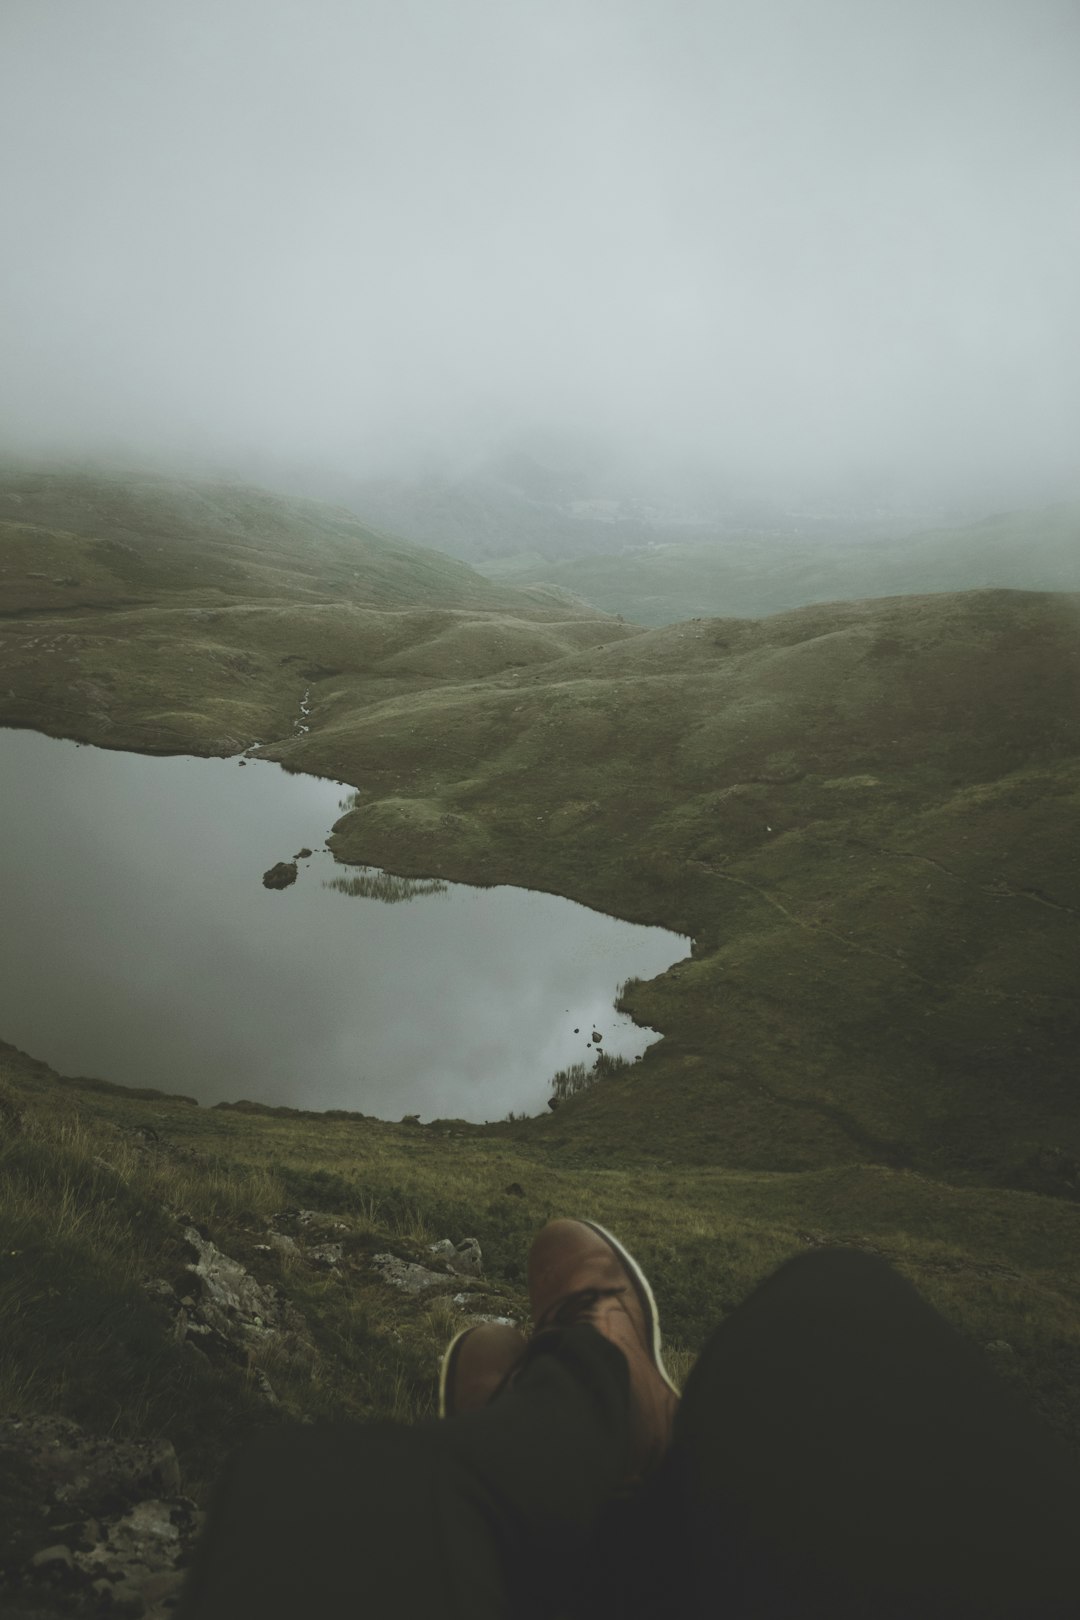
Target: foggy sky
(791, 240)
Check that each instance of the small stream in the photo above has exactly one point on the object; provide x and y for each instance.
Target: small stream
(140, 946)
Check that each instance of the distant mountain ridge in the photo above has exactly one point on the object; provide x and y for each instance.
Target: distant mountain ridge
(663, 581)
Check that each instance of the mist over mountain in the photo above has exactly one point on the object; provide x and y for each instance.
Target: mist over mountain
(750, 256)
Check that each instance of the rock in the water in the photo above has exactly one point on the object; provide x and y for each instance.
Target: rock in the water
(302, 854)
(280, 876)
(597, 1037)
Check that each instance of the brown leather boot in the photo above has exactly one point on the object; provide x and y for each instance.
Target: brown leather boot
(477, 1365)
(579, 1273)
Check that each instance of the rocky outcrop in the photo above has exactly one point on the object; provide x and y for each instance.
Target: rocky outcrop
(221, 1312)
(92, 1526)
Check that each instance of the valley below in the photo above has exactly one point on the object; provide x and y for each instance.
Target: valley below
(862, 812)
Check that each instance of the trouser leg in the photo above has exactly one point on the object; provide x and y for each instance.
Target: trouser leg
(841, 1451)
(479, 1516)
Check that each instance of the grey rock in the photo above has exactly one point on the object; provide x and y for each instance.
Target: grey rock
(127, 1532)
(52, 1557)
(280, 1243)
(229, 1314)
(280, 876)
(325, 1255)
(407, 1275)
(470, 1302)
(467, 1259)
(1000, 1347)
(463, 1257)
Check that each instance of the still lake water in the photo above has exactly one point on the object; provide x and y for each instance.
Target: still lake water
(138, 944)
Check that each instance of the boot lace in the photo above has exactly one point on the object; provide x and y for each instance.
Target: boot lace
(576, 1307)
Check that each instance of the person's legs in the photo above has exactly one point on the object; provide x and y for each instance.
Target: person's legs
(479, 1516)
(840, 1450)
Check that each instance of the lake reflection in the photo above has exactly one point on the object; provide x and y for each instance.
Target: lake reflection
(140, 945)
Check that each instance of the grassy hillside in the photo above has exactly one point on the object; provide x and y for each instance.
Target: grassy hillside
(754, 575)
(863, 812)
(213, 608)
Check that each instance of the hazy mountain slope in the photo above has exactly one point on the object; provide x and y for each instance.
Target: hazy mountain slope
(222, 606)
(863, 812)
(73, 537)
(750, 575)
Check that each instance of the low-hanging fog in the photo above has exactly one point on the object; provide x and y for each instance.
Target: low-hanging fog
(806, 244)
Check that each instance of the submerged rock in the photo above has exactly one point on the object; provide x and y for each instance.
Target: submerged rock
(280, 876)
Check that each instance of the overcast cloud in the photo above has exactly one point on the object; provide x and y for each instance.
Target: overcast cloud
(794, 240)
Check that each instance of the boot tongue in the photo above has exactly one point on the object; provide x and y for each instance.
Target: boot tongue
(571, 1309)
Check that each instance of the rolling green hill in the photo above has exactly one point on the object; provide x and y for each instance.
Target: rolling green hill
(863, 812)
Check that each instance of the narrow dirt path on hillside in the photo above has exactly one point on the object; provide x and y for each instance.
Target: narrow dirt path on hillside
(997, 891)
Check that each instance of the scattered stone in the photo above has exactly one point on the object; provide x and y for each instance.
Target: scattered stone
(127, 1533)
(325, 1255)
(407, 1275)
(597, 1037)
(485, 1308)
(280, 1243)
(482, 1316)
(302, 854)
(467, 1260)
(463, 1257)
(553, 1103)
(52, 1556)
(515, 1190)
(226, 1315)
(410, 1119)
(1000, 1347)
(305, 1218)
(280, 876)
(264, 1387)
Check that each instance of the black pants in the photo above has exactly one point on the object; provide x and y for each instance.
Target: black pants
(839, 1451)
